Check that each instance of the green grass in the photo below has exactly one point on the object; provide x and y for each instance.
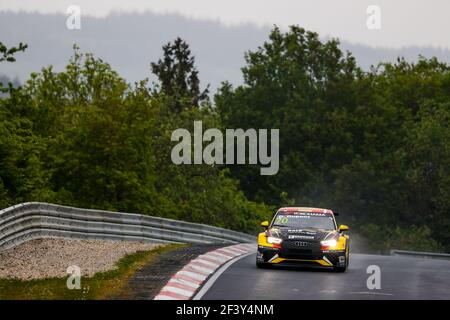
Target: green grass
(102, 285)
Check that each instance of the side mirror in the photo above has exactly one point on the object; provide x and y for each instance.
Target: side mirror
(343, 227)
(265, 224)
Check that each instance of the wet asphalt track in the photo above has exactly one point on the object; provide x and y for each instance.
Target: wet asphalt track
(401, 278)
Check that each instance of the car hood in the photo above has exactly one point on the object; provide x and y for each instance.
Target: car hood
(305, 234)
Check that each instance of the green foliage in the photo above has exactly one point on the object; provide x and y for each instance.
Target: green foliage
(84, 137)
(178, 76)
(408, 238)
(22, 176)
(374, 146)
(302, 86)
(8, 54)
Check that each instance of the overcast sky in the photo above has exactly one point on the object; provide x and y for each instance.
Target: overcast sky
(403, 22)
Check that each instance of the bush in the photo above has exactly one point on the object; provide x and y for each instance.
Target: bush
(402, 238)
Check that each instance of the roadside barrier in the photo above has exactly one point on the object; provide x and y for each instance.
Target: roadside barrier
(37, 220)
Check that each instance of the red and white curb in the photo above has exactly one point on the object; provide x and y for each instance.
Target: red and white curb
(185, 282)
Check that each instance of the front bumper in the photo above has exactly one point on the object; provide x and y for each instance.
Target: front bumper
(319, 258)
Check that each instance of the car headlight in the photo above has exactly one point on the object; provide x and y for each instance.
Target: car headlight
(274, 240)
(328, 244)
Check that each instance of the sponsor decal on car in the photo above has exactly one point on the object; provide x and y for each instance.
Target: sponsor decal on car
(295, 237)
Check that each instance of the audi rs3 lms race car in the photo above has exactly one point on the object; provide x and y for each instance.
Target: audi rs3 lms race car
(303, 237)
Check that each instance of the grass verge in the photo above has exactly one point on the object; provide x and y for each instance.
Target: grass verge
(102, 285)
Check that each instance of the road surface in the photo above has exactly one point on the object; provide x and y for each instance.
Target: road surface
(401, 278)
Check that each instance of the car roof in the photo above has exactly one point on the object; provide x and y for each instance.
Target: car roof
(305, 209)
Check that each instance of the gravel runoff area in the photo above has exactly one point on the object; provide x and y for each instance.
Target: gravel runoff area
(47, 258)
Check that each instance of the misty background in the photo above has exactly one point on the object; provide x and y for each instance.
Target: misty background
(130, 41)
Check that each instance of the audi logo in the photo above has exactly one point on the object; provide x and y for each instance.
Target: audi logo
(300, 243)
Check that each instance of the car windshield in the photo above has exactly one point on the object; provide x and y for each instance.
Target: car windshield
(304, 220)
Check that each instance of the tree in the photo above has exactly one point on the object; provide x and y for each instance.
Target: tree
(178, 75)
(304, 87)
(21, 167)
(372, 145)
(8, 54)
(85, 137)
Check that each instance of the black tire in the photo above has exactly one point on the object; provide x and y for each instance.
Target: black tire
(343, 269)
(339, 269)
(262, 265)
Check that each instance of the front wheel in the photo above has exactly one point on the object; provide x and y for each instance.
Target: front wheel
(262, 265)
(340, 269)
(343, 269)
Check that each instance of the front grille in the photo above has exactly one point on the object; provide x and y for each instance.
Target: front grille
(300, 250)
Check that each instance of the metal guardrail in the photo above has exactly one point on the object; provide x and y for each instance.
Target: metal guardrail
(37, 220)
(431, 255)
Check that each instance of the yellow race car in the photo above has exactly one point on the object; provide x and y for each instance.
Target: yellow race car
(304, 237)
